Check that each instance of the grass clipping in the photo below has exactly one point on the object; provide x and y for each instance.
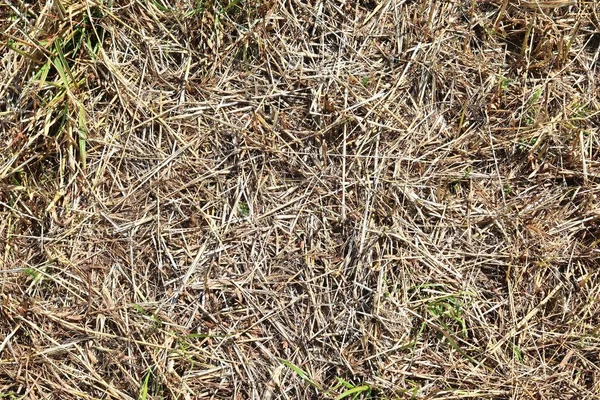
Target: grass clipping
(299, 199)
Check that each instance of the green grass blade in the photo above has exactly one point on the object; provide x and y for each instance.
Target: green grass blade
(354, 391)
(144, 387)
(82, 137)
(300, 372)
(344, 382)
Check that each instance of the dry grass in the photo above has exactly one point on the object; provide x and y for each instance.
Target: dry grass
(299, 200)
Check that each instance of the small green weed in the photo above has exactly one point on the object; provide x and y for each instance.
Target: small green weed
(341, 390)
(517, 354)
(244, 209)
(451, 308)
(505, 83)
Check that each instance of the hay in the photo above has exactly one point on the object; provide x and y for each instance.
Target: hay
(298, 200)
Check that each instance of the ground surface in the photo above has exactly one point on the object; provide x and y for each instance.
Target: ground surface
(299, 200)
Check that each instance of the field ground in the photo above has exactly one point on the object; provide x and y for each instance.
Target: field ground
(288, 199)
